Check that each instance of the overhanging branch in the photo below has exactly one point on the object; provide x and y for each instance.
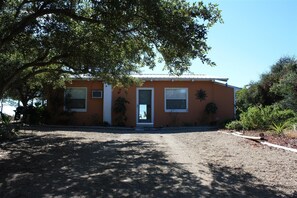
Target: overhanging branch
(21, 25)
(54, 60)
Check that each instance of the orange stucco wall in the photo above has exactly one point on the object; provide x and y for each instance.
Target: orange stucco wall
(221, 95)
(94, 113)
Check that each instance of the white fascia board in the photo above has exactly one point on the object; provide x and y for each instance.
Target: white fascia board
(197, 77)
(164, 77)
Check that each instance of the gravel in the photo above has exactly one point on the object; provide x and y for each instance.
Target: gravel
(110, 164)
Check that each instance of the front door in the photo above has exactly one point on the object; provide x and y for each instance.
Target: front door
(145, 106)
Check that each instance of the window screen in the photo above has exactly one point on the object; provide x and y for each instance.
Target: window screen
(75, 99)
(176, 99)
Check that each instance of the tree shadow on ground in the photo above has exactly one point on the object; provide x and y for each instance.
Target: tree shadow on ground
(235, 182)
(120, 130)
(59, 166)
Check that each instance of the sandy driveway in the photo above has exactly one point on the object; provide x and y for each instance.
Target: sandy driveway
(97, 164)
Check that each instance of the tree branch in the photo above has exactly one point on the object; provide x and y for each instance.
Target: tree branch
(18, 10)
(20, 26)
(45, 70)
(16, 74)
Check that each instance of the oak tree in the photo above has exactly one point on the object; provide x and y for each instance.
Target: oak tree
(276, 87)
(107, 39)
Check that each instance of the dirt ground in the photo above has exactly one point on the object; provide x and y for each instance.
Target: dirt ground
(287, 139)
(153, 164)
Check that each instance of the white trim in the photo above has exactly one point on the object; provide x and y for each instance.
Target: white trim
(86, 99)
(137, 106)
(184, 77)
(164, 77)
(107, 103)
(176, 110)
(280, 147)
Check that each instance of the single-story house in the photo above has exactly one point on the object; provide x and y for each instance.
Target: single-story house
(162, 100)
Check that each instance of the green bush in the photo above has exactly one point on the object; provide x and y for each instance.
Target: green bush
(291, 122)
(252, 118)
(120, 109)
(264, 117)
(211, 108)
(35, 115)
(7, 129)
(234, 125)
(278, 129)
(279, 115)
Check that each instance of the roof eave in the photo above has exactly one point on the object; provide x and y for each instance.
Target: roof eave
(183, 79)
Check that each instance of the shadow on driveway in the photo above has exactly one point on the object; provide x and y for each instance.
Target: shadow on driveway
(59, 166)
(120, 130)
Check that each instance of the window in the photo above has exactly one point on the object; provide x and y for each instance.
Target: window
(176, 99)
(96, 93)
(76, 99)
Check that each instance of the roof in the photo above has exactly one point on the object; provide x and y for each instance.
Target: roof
(184, 77)
(168, 77)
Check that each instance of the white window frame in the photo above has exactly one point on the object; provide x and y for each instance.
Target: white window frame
(176, 110)
(86, 99)
(97, 90)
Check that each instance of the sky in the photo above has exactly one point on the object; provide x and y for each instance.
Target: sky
(255, 35)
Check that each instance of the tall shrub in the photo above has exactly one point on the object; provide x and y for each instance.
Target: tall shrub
(120, 109)
(263, 117)
(7, 129)
(211, 109)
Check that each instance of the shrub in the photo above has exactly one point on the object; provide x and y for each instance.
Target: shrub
(211, 108)
(263, 117)
(35, 115)
(120, 109)
(234, 125)
(278, 129)
(292, 122)
(7, 130)
(279, 115)
(251, 119)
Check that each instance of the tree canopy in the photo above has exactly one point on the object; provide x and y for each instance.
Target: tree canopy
(277, 87)
(103, 38)
(36, 86)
